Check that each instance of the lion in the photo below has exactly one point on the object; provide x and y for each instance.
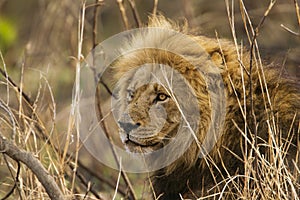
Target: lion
(258, 105)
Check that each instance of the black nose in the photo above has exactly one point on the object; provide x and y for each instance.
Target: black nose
(127, 127)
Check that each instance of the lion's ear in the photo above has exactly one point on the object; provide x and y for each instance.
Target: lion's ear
(218, 58)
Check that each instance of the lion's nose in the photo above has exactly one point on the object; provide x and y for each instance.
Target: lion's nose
(127, 127)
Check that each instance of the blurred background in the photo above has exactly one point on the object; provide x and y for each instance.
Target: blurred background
(42, 34)
(39, 41)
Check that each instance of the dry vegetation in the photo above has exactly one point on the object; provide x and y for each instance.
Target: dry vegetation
(41, 155)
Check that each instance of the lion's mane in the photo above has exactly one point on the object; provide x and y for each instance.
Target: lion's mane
(280, 103)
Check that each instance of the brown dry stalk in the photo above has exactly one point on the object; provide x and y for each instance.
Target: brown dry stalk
(154, 11)
(297, 12)
(135, 13)
(44, 135)
(123, 13)
(253, 116)
(298, 19)
(74, 116)
(16, 179)
(86, 183)
(12, 83)
(289, 30)
(100, 113)
(108, 135)
(97, 6)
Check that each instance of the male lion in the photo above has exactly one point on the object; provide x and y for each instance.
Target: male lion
(260, 108)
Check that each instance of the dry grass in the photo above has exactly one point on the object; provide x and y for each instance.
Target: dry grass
(30, 122)
(266, 176)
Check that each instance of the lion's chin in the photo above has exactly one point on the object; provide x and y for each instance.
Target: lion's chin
(134, 147)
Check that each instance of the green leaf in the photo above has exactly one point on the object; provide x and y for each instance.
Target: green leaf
(8, 33)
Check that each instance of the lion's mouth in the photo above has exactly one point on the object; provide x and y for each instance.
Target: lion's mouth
(133, 143)
(142, 142)
(137, 147)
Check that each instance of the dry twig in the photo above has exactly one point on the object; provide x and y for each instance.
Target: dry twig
(16, 179)
(34, 165)
(252, 112)
(154, 11)
(297, 12)
(100, 113)
(123, 14)
(135, 13)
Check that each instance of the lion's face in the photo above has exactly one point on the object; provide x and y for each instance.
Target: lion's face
(150, 119)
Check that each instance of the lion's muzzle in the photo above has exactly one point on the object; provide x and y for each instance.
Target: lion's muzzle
(127, 127)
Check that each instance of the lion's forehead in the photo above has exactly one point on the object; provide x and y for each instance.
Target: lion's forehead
(146, 92)
(145, 75)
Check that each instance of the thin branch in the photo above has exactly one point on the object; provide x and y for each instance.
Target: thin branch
(252, 112)
(4, 73)
(34, 165)
(86, 183)
(10, 81)
(154, 11)
(289, 30)
(123, 14)
(16, 180)
(272, 3)
(108, 182)
(118, 180)
(97, 5)
(39, 125)
(135, 13)
(45, 136)
(106, 87)
(298, 19)
(105, 130)
(98, 97)
(297, 12)
(74, 118)
(28, 102)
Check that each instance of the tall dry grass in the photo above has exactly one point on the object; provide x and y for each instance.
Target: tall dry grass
(29, 122)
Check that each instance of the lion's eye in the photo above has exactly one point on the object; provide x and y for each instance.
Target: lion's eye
(161, 97)
(130, 94)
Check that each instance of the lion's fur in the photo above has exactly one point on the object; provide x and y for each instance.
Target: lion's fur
(281, 103)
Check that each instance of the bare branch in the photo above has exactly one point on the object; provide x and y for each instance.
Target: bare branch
(123, 14)
(298, 19)
(16, 180)
(86, 183)
(34, 165)
(10, 81)
(135, 13)
(297, 12)
(108, 135)
(289, 30)
(253, 116)
(108, 182)
(97, 5)
(100, 114)
(155, 7)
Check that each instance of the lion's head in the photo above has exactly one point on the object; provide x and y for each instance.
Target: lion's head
(151, 117)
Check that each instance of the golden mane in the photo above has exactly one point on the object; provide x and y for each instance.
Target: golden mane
(275, 102)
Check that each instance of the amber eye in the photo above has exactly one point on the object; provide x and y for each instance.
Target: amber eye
(161, 97)
(130, 95)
